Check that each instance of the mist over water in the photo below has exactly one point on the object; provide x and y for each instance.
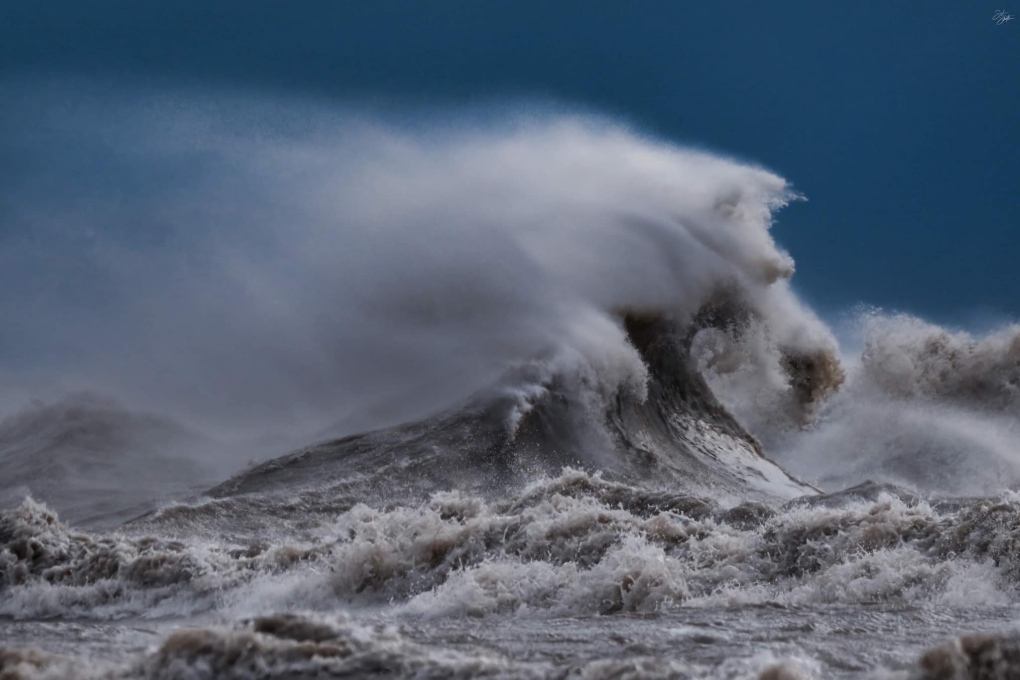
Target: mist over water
(245, 271)
(330, 385)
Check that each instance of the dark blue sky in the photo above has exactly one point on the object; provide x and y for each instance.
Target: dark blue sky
(898, 120)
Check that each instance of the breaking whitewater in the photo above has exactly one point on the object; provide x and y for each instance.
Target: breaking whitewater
(655, 461)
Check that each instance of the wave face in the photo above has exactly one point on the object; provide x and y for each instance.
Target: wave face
(672, 435)
(561, 414)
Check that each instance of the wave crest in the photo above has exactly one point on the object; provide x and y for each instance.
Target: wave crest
(907, 357)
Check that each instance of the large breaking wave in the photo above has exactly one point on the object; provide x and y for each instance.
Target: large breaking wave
(535, 367)
(290, 268)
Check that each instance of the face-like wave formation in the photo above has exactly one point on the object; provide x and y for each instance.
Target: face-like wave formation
(539, 367)
(287, 268)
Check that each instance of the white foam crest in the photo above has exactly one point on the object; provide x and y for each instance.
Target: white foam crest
(925, 407)
(907, 357)
(49, 570)
(572, 556)
(745, 372)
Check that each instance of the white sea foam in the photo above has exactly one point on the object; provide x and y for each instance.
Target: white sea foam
(571, 546)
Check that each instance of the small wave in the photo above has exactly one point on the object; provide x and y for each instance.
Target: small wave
(95, 461)
(570, 545)
(973, 657)
(285, 646)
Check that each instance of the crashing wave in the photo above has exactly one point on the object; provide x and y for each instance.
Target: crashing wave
(673, 434)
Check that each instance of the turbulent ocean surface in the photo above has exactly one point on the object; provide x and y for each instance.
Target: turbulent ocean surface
(560, 415)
